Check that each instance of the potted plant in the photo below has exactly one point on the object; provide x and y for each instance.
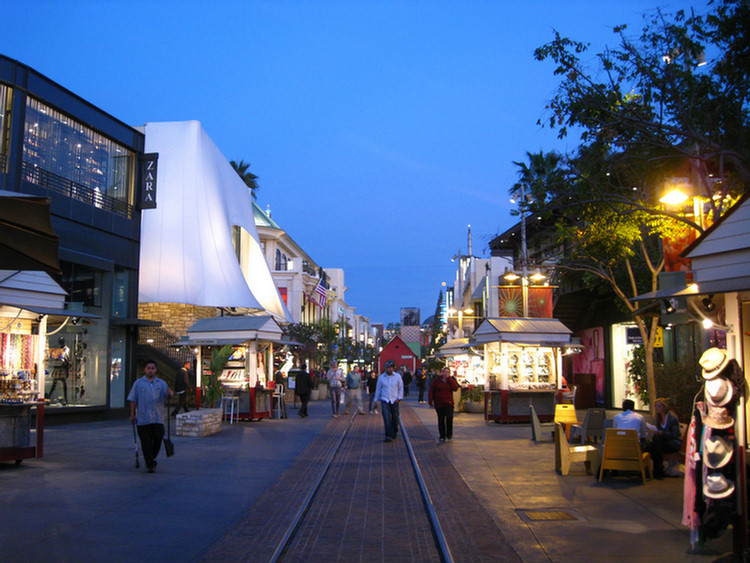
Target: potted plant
(472, 399)
(212, 387)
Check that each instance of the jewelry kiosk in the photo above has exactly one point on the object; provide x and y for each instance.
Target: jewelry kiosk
(523, 366)
(250, 367)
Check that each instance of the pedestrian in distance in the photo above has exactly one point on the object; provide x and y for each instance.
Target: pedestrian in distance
(372, 383)
(336, 381)
(354, 389)
(389, 391)
(303, 385)
(182, 388)
(441, 396)
(147, 400)
(406, 376)
(420, 377)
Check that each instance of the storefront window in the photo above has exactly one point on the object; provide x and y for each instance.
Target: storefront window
(83, 284)
(117, 369)
(101, 170)
(120, 293)
(74, 376)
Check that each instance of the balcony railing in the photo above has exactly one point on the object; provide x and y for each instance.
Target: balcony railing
(74, 190)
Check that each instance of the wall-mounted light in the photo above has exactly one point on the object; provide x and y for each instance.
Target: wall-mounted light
(668, 306)
(708, 303)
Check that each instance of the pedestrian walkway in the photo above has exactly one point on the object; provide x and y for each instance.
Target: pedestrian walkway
(85, 501)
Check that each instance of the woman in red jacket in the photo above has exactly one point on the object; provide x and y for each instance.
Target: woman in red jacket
(441, 395)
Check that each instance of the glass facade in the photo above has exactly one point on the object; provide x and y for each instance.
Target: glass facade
(5, 101)
(102, 170)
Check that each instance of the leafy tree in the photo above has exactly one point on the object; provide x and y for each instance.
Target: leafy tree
(250, 179)
(648, 112)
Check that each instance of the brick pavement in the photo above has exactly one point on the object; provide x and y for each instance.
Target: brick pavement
(369, 508)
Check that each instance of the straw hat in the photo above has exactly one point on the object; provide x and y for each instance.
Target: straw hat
(713, 361)
(717, 452)
(719, 391)
(717, 486)
(718, 418)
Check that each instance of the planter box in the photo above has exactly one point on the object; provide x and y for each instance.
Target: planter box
(198, 423)
(474, 406)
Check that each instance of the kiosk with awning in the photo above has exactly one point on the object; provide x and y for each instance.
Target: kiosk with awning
(28, 300)
(250, 368)
(465, 359)
(523, 366)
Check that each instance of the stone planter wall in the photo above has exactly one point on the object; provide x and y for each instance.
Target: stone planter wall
(198, 423)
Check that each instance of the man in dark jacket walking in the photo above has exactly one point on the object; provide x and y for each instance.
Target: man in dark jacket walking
(441, 396)
(302, 387)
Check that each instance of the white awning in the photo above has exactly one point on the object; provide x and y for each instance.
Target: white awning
(233, 330)
(187, 255)
(527, 331)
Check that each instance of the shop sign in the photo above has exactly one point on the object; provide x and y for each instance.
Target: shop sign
(148, 180)
(634, 336)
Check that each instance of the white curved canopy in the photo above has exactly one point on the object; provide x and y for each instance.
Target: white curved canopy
(187, 255)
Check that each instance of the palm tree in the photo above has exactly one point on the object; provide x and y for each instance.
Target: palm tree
(541, 177)
(249, 178)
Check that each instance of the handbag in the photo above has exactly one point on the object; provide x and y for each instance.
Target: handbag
(168, 445)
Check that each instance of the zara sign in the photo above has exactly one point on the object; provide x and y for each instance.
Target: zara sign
(148, 180)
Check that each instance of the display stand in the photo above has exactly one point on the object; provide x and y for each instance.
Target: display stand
(15, 432)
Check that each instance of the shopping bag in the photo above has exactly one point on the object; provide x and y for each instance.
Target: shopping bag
(343, 397)
(168, 447)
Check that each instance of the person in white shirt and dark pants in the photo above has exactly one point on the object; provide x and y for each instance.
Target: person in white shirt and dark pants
(389, 391)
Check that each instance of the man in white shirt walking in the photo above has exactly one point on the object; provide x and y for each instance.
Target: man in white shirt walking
(389, 391)
(336, 380)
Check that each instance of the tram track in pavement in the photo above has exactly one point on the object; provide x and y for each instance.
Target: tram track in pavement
(351, 497)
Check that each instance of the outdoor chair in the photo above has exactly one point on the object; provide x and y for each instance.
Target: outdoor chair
(538, 427)
(278, 401)
(622, 451)
(565, 454)
(569, 397)
(566, 415)
(592, 427)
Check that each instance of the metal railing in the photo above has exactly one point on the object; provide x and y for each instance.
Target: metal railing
(163, 341)
(74, 190)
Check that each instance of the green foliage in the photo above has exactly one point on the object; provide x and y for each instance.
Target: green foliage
(250, 179)
(679, 382)
(637, 374)
(212, 384)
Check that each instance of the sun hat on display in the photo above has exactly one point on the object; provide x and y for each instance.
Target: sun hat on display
(719, 391)
(717, 452)
(713, 361)
(717, 486)
(718, 418)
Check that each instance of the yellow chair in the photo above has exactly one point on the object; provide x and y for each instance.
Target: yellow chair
(566, 415)
(565, 454)
(622, 451)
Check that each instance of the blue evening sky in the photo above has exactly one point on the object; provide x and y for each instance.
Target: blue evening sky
(379, 129)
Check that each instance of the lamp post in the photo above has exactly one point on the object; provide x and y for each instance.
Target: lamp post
(522, 201)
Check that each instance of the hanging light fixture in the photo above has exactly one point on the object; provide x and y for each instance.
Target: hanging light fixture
(708, 303)
(510, 275)
(538, 276)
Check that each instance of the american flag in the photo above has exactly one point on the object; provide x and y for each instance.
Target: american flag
(319, 296)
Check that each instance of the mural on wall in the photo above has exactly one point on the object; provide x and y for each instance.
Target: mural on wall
(591, 359)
